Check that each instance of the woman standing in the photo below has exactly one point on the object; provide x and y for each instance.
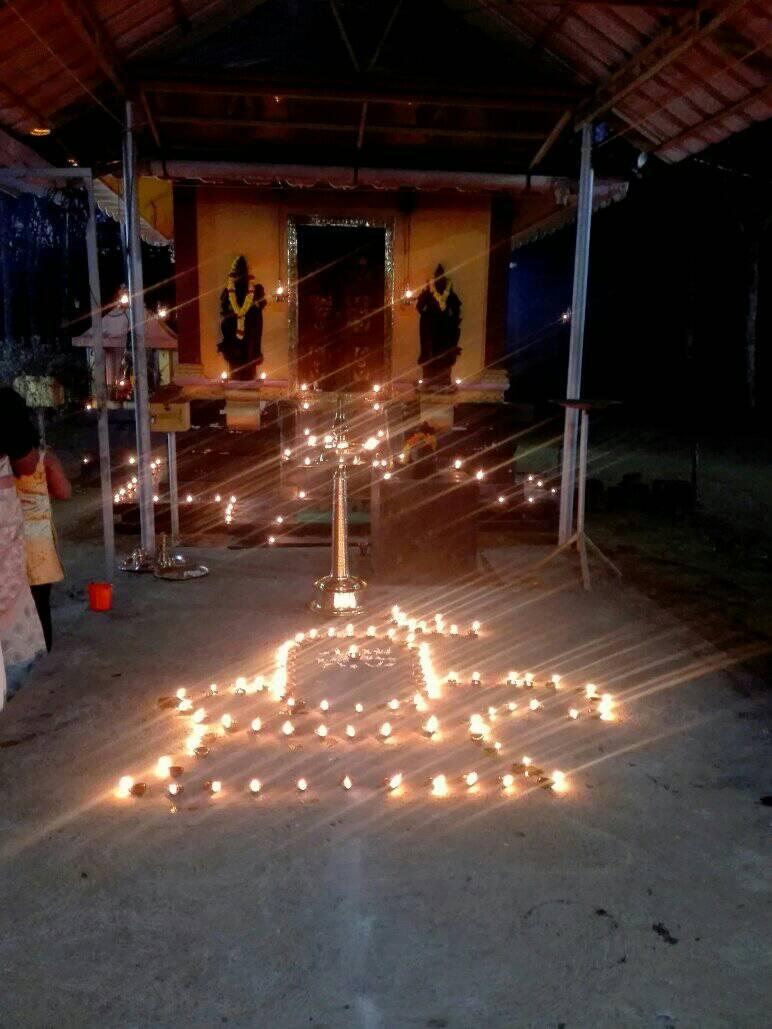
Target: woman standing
(43, 564)
(21, 634)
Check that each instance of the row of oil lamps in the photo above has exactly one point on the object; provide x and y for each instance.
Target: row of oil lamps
(479, 729)
(440, 785)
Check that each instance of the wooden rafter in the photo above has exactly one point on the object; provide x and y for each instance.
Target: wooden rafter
(372, 63)
(552, 26)
(358, 90)
(93, 34)
(313, 126)
(344, 35)
(555, 134)
(682, 33)
(667, 46)
(761, 94)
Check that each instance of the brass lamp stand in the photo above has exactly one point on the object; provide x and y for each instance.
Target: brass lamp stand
(339, 593)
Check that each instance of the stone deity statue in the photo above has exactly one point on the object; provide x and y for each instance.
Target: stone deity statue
(439, 328)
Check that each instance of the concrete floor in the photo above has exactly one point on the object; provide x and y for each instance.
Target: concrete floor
(639, 898)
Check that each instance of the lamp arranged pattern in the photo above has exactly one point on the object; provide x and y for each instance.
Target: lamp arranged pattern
(470, 722)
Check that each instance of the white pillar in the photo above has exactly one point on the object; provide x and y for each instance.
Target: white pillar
(578, 311)
(137, 325)
(100, 383)
(174, 492)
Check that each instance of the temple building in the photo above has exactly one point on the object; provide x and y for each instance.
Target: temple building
(399, 281)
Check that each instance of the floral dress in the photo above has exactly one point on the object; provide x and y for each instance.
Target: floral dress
(21, 634)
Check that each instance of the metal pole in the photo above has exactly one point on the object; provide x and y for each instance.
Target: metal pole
(578, 311)
(174, 493)
(100, 384)
(137, 325)
(581, 490)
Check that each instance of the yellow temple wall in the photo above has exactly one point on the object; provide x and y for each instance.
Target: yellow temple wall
(450, 230)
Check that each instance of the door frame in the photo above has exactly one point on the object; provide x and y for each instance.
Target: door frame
(291, 230)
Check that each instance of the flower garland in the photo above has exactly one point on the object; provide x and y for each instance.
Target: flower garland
(240, 310)
(424, 437)
(441, 298)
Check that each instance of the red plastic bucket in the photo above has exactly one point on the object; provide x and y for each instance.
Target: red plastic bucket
(100, 596)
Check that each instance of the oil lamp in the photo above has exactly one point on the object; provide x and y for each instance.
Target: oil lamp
(605, 708)
(351, 732)
(440, 786)
(477, 727)
(471, 778)
(385, 730)
(255, 786)
(395, 781)
(124, 786)
(346, 783)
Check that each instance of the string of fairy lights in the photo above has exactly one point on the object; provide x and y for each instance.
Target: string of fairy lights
(260, 708)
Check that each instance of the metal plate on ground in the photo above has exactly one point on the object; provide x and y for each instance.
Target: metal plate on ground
(183, 573)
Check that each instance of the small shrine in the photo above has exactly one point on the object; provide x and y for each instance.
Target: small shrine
(339, 292)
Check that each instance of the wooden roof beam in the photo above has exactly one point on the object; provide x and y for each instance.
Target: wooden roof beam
(552, 138)
(737, 108)
(94, 36)
(98, 41)
(665, 48)
(412, 130)
(356, 91)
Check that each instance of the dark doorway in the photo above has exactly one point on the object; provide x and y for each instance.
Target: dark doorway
(341, 318)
